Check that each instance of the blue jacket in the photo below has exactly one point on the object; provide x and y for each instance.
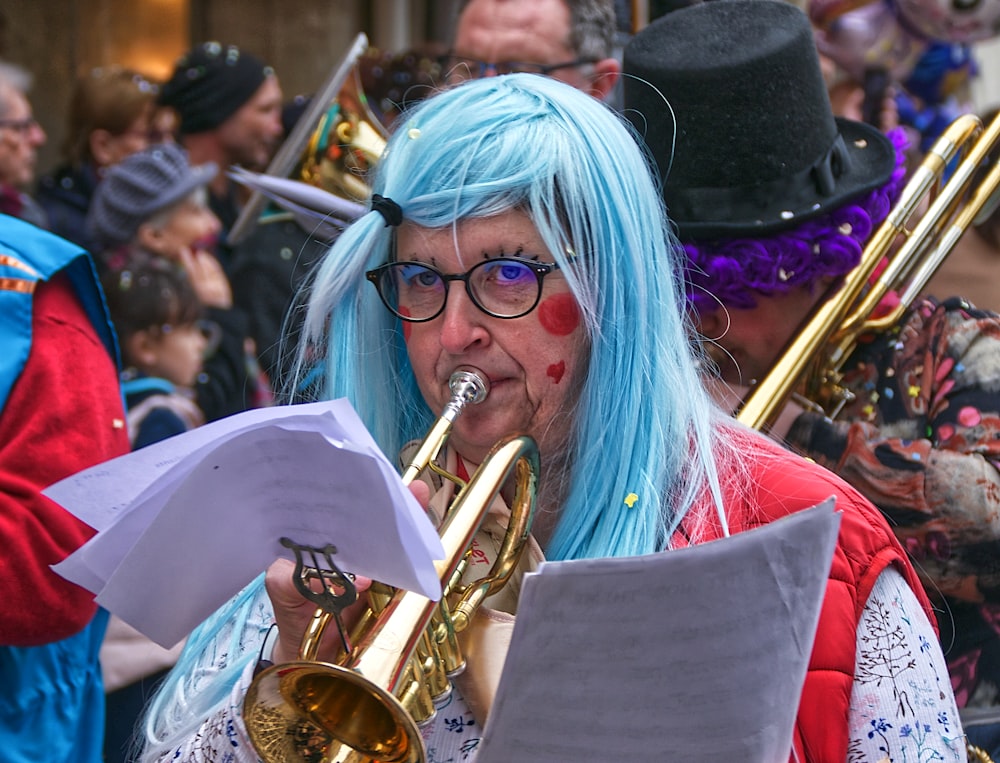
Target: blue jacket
(51, 696)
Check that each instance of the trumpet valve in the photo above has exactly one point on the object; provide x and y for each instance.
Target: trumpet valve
(414, 695)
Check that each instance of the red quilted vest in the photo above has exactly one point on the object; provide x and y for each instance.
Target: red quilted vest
(781, 484)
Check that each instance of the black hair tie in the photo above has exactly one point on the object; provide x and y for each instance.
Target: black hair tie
(389, 209)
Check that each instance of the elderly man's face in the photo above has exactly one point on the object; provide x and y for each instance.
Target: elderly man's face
(533, 32)
(20, 137)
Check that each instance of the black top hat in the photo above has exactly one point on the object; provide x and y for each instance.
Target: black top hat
(757, 149)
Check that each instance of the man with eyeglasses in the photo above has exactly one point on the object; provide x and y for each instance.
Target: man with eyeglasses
(20, 138)
(568, 40)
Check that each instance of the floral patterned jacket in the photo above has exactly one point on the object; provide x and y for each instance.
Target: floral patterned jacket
(922, 441)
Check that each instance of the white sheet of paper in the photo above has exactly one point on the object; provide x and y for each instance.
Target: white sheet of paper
(694, 654)
(202, 514)
(318, 211)
(99, 494)
(138, 483)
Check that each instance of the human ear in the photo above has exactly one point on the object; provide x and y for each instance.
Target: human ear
(712, 324)
(140, 349)
(151, 239)
(605, 76)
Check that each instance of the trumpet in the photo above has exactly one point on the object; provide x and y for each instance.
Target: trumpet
(810, 367)
(396, 664)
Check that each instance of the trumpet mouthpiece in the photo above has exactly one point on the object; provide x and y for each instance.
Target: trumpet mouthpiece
(468, 385)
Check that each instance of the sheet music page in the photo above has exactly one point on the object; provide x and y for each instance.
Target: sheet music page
(186, 523)
(99, 494)
(694, 654)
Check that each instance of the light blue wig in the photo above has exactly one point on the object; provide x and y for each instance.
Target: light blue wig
(645, 445)
(643, 425)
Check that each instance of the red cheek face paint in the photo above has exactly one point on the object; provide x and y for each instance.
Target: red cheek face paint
(407, 326)
(556, 371)
(559, 314)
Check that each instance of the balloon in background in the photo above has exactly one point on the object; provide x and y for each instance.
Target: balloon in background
(964, 21)
(923, 46)
(866, 37)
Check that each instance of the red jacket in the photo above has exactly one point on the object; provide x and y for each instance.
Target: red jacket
(70, 376)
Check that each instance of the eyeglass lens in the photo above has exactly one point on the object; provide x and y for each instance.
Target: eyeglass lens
(504, 288)
(20, 125)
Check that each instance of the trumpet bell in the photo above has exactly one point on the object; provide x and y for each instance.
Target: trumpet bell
(317, 711)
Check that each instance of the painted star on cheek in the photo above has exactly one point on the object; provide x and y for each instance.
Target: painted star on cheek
(559, 314)
(556, 371)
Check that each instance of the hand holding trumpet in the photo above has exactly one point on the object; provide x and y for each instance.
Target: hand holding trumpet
(293, 612)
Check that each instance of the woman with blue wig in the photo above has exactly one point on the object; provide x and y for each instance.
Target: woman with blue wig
(515, 227)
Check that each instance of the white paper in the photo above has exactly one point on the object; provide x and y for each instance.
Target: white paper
(186, 523)
(694, 654)
(316, 210)
(99, 494)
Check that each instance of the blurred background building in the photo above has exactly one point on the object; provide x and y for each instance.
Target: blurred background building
(303, 39)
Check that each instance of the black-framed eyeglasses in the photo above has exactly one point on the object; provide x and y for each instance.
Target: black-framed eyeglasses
(20, 125)
(461, 68)
(504, 287)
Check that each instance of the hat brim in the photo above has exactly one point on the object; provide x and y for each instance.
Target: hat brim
(872, 159)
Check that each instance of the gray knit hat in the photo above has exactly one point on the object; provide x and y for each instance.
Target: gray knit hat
(138, 187)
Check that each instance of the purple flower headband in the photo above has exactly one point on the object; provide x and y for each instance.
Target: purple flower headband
(730, 270)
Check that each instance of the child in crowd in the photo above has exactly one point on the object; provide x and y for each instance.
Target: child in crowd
(157, 315)
(154, 202)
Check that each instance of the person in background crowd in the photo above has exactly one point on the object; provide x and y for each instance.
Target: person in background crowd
(515, 227)
(228, 104)
(569, 40)
(110, 117)
(155, 201)
(60, 412)
(771, 225)
(157, 315)
(270, 265)
(20, 138)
